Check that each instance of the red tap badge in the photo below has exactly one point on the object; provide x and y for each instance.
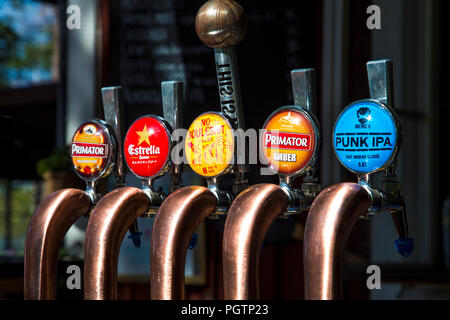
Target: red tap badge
(147, 147)
(92, 146)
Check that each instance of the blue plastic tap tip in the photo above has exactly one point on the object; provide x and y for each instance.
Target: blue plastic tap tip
(193, 241)
(136, 237)
(404, 246)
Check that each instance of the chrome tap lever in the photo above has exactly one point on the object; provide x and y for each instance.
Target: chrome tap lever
(380, 78)
(113, 109)
(304, 92)
(172, 101)
(304, 89)
(115, 116)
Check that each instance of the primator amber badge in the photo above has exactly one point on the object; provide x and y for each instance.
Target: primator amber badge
(92, 150)
(210, 145)
(289, 141)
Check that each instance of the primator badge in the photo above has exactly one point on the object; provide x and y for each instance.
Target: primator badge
(91, 149)
(365, 137)
(147, 147)
(210, 144)
(288, 141)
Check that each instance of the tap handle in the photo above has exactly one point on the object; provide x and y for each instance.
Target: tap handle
(380, 78)
(221, 23)
(304, 88)
(114, 115)
(172, 101)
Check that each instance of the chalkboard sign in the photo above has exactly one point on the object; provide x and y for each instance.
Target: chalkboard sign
(154, 41)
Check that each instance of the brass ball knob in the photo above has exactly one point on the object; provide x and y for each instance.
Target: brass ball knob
(221, 23)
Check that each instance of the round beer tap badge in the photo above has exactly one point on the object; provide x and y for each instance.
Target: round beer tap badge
(289, 141)
(92, 146)
(210, 145)
(365, 137)
(147, 147)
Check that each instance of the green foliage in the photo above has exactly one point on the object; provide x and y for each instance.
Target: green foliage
(59, 160)
(21, 52)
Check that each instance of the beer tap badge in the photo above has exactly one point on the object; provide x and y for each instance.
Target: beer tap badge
(91, 150)
(147, 147)
(289, 141)
(210, 145)
(365, 137)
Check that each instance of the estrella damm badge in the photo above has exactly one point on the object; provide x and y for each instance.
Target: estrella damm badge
(92, 146)
(366, 136)
(147, 147)
(210, 145)
(289, 141)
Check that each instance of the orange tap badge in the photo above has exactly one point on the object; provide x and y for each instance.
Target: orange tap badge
(288, 142)
(210, 145)
(91, 149)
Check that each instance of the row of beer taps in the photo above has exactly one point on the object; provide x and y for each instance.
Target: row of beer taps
(290, 146)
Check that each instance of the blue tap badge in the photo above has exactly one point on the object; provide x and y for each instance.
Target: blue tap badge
(365, 137)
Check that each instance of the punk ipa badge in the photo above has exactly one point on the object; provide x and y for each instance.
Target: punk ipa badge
(93, 149)
(147, 147)
(210, 145)
(289, 141)
(366, 137)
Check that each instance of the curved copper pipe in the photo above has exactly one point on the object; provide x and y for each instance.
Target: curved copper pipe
(46, 231)
(178, 218)
(330, 220)
(247, 222)
(108, 224)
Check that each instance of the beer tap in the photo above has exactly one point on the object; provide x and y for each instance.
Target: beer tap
(95, 152)
(147, 149)
(210, 150)
(221, 25)
(289, 145)
(366, 139)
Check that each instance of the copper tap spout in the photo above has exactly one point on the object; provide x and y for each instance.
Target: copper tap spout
(330, 220)
(178, 218)
(46, 231)
(111, 218)
(248, 220)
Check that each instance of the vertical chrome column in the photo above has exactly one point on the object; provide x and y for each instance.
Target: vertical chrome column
(115, 116)
(172, 101)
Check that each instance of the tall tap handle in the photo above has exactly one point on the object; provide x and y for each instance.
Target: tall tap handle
(113, 109)
(221, 23)
(172, 101)
(304, 88)
(114, 115)
(380, 76)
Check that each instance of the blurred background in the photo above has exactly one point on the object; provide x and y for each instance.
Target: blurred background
(52, 67)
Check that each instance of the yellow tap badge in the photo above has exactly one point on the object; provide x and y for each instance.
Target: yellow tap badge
(210, 145)
(289, 141)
